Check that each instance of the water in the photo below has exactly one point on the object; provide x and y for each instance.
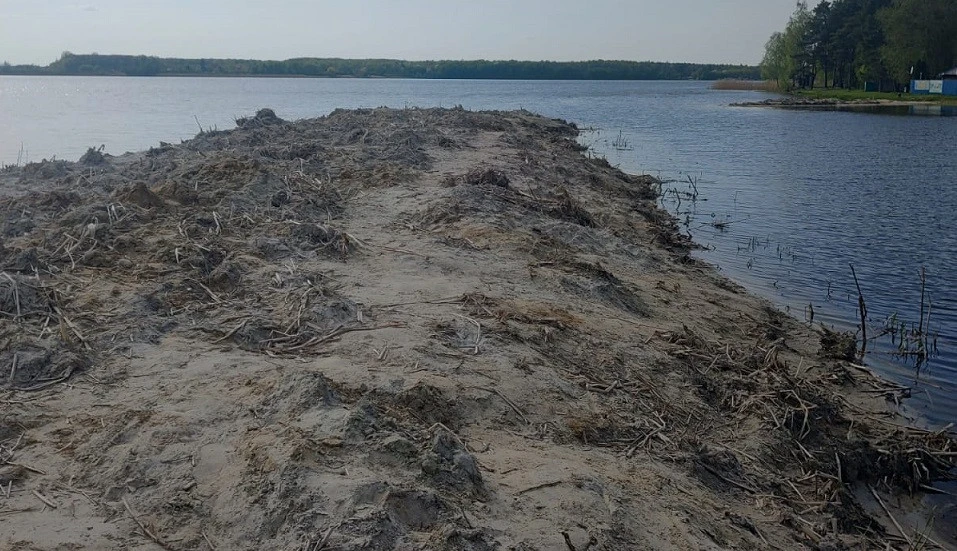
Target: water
(798, 196)
(789, 199)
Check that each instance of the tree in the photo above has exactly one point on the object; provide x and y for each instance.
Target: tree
(920, 34)
(776, 64)
(785, 57)
(869, 65)
(878, 41)
(820, 36)
(796, 36)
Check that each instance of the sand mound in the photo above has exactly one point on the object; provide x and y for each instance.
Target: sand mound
(411, 329)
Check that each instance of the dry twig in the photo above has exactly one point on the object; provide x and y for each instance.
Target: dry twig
(143, 527)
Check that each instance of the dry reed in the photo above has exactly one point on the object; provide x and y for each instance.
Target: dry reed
(739, 84)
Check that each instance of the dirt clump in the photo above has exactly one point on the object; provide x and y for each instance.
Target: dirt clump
(263, 117)
(94, 156)
(488, 177)
(140, 195)
(38, 364)
(838, 346)
(178, 192)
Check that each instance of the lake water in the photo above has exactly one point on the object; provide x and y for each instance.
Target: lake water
(787, 199)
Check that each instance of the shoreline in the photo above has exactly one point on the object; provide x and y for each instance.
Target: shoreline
(356, 77)
(798, 102)
(76, 64)
(413, 327)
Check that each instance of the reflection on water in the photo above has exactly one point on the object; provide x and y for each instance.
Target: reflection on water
(920, 110)
(934, 110)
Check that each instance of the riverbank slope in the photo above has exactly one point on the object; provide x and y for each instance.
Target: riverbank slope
(412, 329)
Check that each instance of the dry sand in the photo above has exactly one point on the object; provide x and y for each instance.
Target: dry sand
(413, 329)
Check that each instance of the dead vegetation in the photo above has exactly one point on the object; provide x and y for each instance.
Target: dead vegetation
(752, 85)
(393, 329)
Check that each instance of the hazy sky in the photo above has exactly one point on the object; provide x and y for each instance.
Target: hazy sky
(37, 31)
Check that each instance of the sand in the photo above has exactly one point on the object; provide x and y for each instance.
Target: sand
(414, 329)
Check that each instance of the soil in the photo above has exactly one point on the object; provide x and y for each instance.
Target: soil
(414, 329)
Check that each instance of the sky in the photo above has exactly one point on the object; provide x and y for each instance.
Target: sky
(701, 31)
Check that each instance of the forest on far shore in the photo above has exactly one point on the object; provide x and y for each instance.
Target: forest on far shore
(129, 65)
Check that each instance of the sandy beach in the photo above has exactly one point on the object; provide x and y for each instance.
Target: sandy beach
(416, 329)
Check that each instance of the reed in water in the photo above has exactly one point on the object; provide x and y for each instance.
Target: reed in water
(740, 84)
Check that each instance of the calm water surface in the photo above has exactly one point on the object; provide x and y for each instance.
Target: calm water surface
(798, 196)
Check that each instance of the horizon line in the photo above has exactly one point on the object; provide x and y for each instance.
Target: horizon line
(436, 60)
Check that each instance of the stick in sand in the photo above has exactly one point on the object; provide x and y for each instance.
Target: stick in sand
(889, 515)
(143, 527)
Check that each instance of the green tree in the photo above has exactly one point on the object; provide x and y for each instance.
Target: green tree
(857, 41)
(820, 37)
(776, 64)
(786, 60)
(798, 36)
(921, 34)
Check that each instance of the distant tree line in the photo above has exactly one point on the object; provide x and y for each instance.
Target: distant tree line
(126, 65)
(846, 43)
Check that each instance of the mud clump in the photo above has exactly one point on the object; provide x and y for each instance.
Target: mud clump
(93, 157)
(23, 261)
(417, 511)
(720, 470)
(263, 117)
(838, 346)
(428, 405)
(302, 392)
(177, 192)
(316, 237)
(17, 225)
(593, 280)
(140, 195)
(21, 297)
(226, 276)
(571, 210)
(271, 248)
(47, 170)
(334, 311)
(38, 364)
(487, 177)
(449, 464)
